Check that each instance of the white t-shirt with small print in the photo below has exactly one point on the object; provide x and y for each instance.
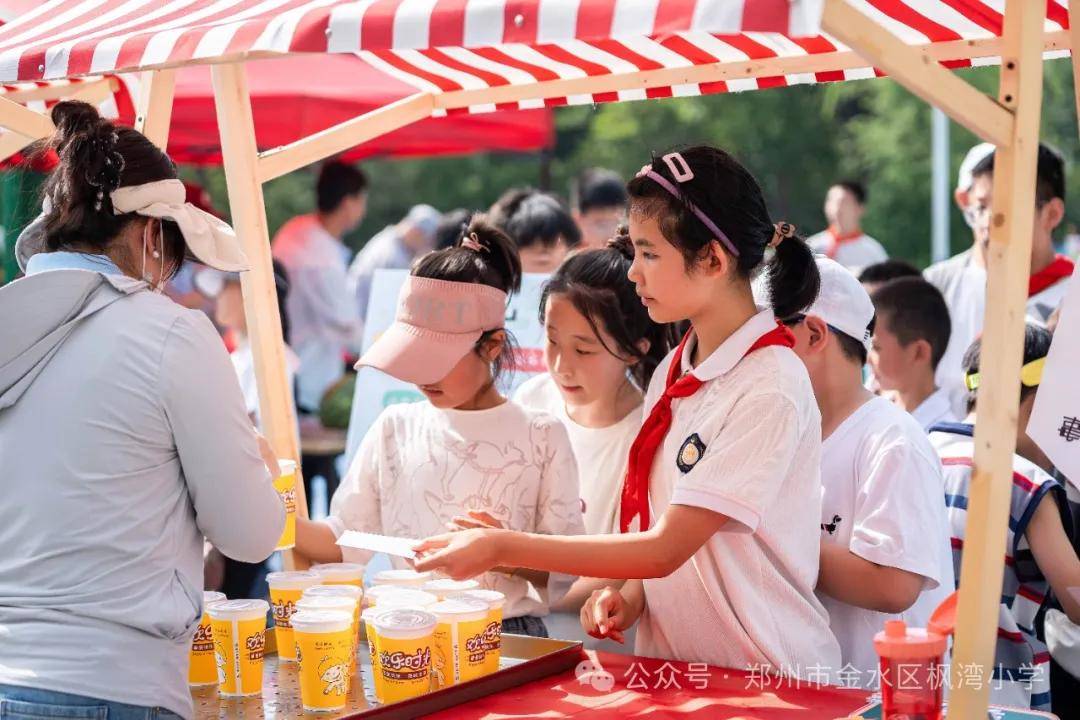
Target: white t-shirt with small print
(419, 466)
(601, 452)
(746, 598)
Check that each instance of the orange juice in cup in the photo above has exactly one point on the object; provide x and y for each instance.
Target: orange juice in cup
(285, 590)
(443, 588)
(339, 603)
(460, 649)
(324, 643)
(368, 619)
(404, 578)
(239, 628)
(493, 632)
(404, 639)
(285, 484)
(201, 668)
(340, 573)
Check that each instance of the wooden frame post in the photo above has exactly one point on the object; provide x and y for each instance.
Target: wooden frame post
(153, 113)
(240, 158)
(1008, 268)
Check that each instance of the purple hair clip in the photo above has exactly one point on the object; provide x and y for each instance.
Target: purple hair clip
(680, 170)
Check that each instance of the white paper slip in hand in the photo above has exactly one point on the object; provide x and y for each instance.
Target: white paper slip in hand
(398, 547)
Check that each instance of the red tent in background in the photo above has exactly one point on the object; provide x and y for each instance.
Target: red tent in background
(289, 106)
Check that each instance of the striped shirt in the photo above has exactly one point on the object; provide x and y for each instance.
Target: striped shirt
(1021, 675)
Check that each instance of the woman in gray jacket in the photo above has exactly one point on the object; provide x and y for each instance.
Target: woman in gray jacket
(123, 438)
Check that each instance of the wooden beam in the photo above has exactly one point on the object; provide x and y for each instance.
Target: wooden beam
(59, 90)
(93, 93)
(726, 71)
(13, 142)
(1074, 41)
(918, 72)
(240, 159)
(154, 110)
(279, 161)
(23, 120)
(1008, 267)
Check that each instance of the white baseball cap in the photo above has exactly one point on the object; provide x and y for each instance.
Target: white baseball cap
(974, 156)
(843, 302)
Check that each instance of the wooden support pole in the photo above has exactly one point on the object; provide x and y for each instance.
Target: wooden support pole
(279, 161)
(23, 120)
(1074, 38)
(1008, 267)
(260, 296)
(154, 110)
(918, 72)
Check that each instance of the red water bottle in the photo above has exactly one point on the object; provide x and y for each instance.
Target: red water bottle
(912, 672)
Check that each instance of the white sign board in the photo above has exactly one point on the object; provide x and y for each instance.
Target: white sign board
(376, 390)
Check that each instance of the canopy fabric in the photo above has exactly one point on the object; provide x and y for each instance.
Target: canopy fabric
(446, 47)
(70, 38)
(287, 107)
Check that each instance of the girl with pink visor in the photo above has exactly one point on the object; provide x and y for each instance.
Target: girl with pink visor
(467, 448)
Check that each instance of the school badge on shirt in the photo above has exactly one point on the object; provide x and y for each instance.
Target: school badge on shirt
(690, 452)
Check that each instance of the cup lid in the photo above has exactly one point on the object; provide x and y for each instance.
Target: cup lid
(459, 607)
(286, 467)
(493, 598)
(326, 602)
(897, 640)
(320, 620)
(293, 579)
(444, 585)
(405, 620)
(350, 591)
(238, 609)
(406, 597)
(210, 596)
(348, 571)
(388, 577)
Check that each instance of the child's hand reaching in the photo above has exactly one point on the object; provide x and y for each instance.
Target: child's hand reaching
(461, 555)
(606, 614)
(476, 519)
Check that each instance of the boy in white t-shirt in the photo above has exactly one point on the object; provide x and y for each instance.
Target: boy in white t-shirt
(910, 336)
(962, 279)
(844, 240)
(885, 539)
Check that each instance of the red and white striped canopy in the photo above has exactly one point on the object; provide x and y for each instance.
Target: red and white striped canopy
(578, 51)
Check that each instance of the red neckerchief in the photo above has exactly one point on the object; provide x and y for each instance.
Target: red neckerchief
(1059, 269)
(836, 240)
(635, 492)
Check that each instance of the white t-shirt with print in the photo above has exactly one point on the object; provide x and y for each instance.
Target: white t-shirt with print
(853, 254)
(601, 452)
(884, 501)
(419, 466)
(746, 597)
(935, 409)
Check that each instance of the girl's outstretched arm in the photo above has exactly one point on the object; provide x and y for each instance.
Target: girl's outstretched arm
(657, 552)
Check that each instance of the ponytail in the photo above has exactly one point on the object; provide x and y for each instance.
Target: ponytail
(793, 275)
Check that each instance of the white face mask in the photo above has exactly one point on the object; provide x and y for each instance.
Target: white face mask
(159, 286)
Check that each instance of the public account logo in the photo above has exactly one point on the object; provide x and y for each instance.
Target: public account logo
(589, 672)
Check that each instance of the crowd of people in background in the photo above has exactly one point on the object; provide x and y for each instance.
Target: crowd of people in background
(748, 448)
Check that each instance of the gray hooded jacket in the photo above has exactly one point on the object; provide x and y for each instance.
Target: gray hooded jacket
(123, 442)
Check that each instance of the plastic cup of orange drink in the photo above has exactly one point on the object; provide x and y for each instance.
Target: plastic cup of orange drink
(285, 484)
(404, 638)
(239, 629)
(201, 667)
(324, 645)
(286, 588)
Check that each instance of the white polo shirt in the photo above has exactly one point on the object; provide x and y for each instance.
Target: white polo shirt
(746, 598)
